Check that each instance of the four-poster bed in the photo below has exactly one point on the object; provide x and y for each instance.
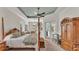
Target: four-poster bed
(22, 41)
(19, 40)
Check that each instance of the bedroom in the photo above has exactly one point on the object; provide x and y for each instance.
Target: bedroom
(15, 27)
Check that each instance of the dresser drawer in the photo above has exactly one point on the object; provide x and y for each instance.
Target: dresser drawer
(66, 45)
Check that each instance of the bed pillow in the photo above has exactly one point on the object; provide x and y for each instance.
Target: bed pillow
(16, 34)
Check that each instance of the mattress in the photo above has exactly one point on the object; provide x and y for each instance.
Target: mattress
(29, 40)
(22, 41)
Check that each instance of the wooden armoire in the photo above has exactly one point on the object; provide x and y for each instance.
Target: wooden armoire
(70, 34)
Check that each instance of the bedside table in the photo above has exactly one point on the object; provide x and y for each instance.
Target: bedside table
(2, 46)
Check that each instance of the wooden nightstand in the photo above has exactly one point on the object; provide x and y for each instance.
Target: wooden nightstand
(2, 46)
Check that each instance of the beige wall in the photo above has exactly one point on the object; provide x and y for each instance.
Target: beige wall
(1, 15)
(11, 20)
(68, 12)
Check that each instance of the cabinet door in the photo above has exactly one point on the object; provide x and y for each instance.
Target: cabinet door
(77, 31)
(69, 32)
(63, 29)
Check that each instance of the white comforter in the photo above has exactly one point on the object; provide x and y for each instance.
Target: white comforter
(16, 42)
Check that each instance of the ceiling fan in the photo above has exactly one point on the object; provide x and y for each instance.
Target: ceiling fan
(37, 14)
(40, 14)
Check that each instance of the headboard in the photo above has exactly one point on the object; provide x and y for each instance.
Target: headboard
(12, 31)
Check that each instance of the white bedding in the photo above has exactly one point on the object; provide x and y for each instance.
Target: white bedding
(16, 42)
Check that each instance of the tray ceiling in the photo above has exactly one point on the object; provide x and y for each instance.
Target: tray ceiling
(32, 11)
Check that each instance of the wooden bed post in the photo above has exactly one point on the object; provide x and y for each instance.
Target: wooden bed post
(39, 33)
(2, 28)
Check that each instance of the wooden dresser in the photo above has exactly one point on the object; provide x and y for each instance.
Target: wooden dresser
(2, 46)
(70, 34)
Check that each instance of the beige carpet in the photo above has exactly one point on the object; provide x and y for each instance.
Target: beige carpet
(51, 45)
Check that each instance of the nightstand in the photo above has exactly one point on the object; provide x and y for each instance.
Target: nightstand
(2, 46)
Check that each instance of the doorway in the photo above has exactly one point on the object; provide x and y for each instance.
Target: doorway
(48, 30)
